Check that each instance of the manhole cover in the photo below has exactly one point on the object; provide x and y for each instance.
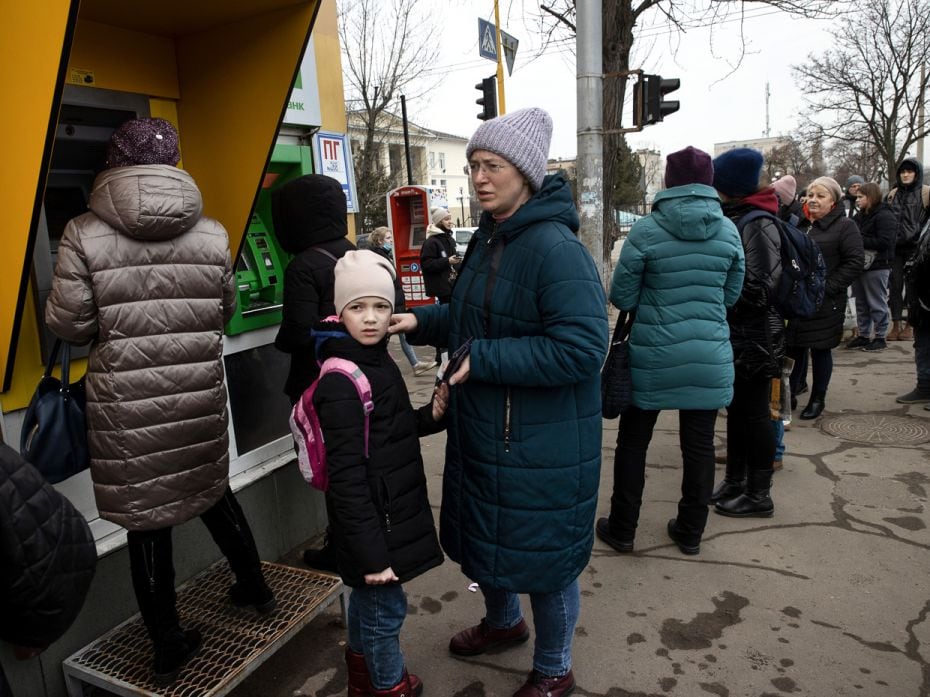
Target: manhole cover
(879, 429)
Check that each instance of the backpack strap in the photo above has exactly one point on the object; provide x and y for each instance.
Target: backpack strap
(359, 381)
(324, 252)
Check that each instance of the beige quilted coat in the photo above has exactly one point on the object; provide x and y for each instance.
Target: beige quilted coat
(149, 281)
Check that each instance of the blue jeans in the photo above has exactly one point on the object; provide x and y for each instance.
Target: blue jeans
(408, 350)
(376, 614)
(555, 616)
(779, 439)
(871, 293)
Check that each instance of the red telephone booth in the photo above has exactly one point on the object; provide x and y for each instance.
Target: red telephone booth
(408, 210)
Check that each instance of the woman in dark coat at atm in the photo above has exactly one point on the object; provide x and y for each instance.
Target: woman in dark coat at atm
(310, 221)
(148, 279)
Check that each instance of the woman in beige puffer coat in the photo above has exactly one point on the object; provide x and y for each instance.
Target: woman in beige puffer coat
(148, 280)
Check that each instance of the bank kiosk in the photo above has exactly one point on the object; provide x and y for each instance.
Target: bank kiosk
(408, 210)
(223, 74)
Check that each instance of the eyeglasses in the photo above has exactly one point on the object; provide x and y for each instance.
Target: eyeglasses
(488, 168)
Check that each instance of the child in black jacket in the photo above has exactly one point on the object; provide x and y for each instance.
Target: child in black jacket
(380, 519)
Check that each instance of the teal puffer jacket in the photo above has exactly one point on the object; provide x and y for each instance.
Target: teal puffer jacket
(523, 451)
(680, 268)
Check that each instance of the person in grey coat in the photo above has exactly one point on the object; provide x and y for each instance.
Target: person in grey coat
(148, 280)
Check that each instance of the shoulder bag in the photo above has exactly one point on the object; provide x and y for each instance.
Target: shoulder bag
(616, 377)
(54, 435)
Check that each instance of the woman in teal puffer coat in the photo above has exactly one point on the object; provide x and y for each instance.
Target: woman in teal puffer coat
(524, 432)
(680, 268)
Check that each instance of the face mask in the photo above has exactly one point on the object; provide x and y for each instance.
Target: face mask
(389, 246)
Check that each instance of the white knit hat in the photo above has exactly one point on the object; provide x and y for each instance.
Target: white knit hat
(438, 214)
(521, 137)
(362, 274)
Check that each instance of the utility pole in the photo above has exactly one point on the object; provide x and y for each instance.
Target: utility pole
(591, 133)
(768, 94)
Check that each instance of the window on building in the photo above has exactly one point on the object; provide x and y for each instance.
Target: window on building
(432, 160)
(442, 161)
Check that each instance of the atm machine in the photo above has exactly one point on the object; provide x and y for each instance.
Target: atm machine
(408, 210)
(255, 369)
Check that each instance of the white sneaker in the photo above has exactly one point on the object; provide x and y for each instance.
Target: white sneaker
(422, 367)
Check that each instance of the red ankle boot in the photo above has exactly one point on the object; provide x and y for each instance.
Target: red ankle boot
(409, 686)
(359, 681)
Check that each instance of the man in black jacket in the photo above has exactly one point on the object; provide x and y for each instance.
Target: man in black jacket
(910, 202)
(47, 560)
(439, 261)
(310, 221)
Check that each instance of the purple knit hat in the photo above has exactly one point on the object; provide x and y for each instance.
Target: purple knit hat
(145, 141)
(688, 166)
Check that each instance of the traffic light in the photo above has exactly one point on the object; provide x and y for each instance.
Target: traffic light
(488, 101)
(649, 107)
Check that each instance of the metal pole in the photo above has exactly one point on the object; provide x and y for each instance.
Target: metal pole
(501, 107)
(403, 113)
(590, 133)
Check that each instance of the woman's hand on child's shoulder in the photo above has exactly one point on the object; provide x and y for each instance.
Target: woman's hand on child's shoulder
(440, 401)
(403, 323)
(382, 577)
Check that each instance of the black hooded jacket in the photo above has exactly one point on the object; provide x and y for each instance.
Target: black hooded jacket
(310, 222)
(47, 557)
(908, 207)
(379, 513)
(879, 229)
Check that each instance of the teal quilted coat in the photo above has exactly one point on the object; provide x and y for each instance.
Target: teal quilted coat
(680, 268)
(523, 450)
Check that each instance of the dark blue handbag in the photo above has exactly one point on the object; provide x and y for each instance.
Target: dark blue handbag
(54, 435)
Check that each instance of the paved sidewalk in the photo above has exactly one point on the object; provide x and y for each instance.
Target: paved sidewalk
(829, 597)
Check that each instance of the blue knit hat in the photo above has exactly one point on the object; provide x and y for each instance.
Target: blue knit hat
(520, 137)
(737, 172)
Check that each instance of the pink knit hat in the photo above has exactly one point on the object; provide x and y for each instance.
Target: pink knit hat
(785, 187)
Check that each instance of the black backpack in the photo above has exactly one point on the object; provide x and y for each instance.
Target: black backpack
(801, 288)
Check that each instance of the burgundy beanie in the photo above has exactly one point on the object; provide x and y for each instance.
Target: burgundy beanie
(688, 166)
(143, 142)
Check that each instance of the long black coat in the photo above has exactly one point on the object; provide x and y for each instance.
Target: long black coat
(438, 274)
(756, 327)
(879, 229)
(379, 514)
(841, 245)
(47, 557)
(309, 216)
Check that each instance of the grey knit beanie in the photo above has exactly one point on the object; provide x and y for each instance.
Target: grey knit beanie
(521, 137)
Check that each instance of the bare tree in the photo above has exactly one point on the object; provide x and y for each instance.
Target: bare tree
(870, 85)
(795, 156)
(384, 57)
(620, 18)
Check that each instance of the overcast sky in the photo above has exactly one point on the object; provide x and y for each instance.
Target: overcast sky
(717, 103)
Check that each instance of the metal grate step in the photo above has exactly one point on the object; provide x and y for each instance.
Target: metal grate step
(235, 640)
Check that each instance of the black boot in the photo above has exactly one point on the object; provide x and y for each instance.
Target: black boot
(152, 569)
(231, 532)
(814, 407)
(733, 484)
(324, 558)
(755, 501)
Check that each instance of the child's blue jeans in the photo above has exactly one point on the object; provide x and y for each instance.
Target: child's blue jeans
(376, 614)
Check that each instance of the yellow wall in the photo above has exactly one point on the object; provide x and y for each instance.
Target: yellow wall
(37, 29)
(329, 77)
(225, 86)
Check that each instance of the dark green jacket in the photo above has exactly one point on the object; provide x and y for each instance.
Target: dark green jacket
(523, 452)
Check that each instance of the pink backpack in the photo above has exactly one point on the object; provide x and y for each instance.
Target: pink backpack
(305, 424)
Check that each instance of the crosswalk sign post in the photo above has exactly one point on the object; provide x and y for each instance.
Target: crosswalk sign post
(491, 44)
